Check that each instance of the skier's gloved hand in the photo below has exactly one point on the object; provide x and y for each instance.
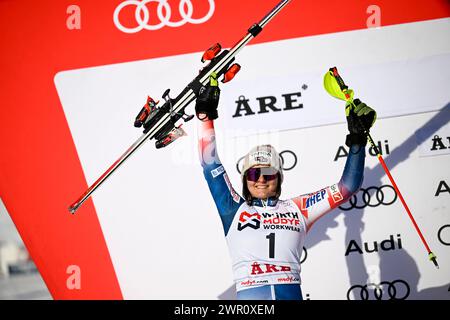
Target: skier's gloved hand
(208, 100)
(359, 117)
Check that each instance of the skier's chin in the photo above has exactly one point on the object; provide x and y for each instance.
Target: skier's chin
(263, 194)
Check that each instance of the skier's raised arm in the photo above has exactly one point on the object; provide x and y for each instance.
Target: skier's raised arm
(315, 205)
(227, 200)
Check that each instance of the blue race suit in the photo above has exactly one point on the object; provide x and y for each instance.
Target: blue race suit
(265, 239)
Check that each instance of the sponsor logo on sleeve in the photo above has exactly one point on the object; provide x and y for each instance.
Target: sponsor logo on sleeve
(217, 171)
(312, 199)
(335, 193)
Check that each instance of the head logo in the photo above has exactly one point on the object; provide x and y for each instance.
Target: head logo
(288, 161)
(262, 159)
(163, 14)
(249, 220)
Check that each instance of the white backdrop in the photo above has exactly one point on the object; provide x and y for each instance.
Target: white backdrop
(159, 220)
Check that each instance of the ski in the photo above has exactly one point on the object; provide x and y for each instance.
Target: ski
(159, 123)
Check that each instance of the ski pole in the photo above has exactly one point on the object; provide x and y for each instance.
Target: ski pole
(339, 90)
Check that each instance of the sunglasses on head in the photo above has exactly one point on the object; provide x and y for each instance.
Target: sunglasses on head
(269, 174)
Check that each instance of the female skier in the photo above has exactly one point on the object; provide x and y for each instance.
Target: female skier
(265, 235)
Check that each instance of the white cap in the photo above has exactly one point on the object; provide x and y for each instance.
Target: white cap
(264, 155)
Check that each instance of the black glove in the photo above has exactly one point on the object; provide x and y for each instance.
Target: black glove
(208, 100)
(359, 116)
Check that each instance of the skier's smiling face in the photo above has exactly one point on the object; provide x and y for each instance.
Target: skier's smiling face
(262, 182)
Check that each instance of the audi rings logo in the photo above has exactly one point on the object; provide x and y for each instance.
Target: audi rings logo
(395, 290)
(162, 16)
(441, 240)
(371, 197)
(288, 160)
(304, 255)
